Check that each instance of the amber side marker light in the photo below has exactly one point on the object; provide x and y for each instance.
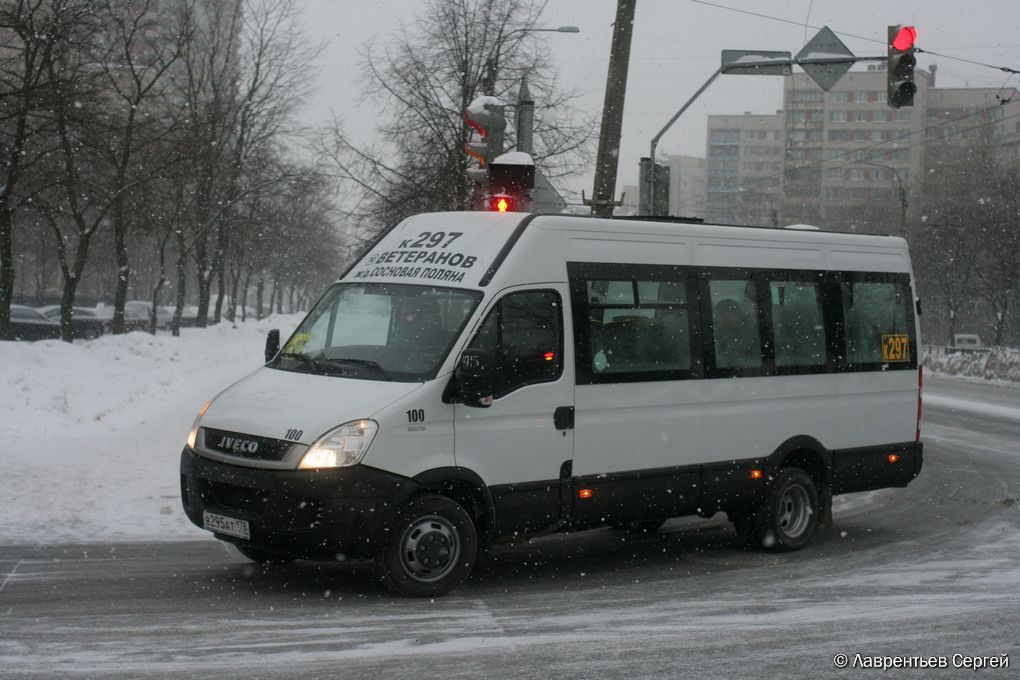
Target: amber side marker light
(757, 474)
(893, 457)
(584, 493)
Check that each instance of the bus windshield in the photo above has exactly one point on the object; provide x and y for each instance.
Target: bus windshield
(378, 331)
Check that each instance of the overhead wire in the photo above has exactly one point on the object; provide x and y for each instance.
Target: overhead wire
(1006, 69)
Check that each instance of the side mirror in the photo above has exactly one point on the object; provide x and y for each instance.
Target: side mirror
(475, 374)
(272, 344)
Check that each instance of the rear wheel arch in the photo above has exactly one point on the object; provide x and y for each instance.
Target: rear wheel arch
(806, 453)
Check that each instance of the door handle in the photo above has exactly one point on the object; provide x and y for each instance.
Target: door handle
(563, 418)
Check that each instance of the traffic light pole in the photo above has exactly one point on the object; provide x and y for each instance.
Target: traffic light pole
(647, 191)
(647, 194)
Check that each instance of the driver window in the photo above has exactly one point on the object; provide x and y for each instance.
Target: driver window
(524, 331)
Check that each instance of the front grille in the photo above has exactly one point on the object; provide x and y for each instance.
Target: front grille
(246, 445)
(237, 497)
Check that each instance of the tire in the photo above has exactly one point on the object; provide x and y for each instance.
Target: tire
(431, 549)
(262, 556)
(788, 517)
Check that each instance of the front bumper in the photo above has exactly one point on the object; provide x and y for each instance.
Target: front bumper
(330, 514)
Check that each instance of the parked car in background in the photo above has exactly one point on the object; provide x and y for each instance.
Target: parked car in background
(28, 324)
(87, 322)
(137, 314)
(188, 315)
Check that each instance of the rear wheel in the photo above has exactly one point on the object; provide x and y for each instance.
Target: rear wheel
(432, 548)
(788, 517)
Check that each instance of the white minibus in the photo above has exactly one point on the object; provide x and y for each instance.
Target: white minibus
(482, 375)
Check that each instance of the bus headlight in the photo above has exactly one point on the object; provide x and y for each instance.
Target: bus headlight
(193, 435)
(340, 447)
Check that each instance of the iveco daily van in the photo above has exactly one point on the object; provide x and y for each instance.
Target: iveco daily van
(476, 375)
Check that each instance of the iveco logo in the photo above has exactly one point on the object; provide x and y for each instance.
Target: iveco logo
(238, 445)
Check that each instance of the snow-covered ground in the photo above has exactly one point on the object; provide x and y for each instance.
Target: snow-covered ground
(996, 365)
(92, 432)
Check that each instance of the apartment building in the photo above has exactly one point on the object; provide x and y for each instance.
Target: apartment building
(744, 166)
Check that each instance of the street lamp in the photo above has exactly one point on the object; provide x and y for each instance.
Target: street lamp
(902, 191)
(492, 63)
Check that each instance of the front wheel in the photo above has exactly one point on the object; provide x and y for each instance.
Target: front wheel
(432, 548)
(789, 515)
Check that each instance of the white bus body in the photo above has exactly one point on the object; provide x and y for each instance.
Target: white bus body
(477, 375)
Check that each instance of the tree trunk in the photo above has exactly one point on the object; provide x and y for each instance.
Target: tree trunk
(235, 282)
(204, 279)
(67, 298)
(221, 292)
(182, 280)
(244, 296)
(1000, 324)
(272, 297)
(259, 287)
(6, 265)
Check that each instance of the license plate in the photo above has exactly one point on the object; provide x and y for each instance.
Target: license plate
(222, 524)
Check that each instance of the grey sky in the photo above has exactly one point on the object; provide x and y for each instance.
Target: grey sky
(676, 47)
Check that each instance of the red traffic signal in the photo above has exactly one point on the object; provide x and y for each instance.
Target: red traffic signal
(905, 38)
(503, 203)
(900, 66)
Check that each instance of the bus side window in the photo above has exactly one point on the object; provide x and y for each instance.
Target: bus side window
(873, 311)
(638, 326)
(797, 323)
(735, 324)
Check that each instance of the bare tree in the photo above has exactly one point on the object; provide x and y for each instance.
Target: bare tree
(967, 243)
(245, 74)
(30, 32)
(72, 208)
(140, 51)
(425, 79)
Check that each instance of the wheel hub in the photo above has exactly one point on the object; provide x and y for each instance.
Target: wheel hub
(794, 511)
(430, 548)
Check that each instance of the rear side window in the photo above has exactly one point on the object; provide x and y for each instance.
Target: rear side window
(878, 321)
(735, 327)
(638, 326)
(634, 322)
(798, 323)
(525, 333)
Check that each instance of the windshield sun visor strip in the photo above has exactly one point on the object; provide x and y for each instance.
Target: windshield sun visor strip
(505, 250)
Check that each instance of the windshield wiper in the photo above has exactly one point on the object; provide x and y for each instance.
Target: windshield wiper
(305, 359)
(365, 363)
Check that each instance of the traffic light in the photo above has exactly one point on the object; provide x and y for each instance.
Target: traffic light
(485, 116)
(900, 67)
(477, 149)
(502, 203)
(511, 179)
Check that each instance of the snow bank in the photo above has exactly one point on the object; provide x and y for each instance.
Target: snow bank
(92, 432)
(1000, 364)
